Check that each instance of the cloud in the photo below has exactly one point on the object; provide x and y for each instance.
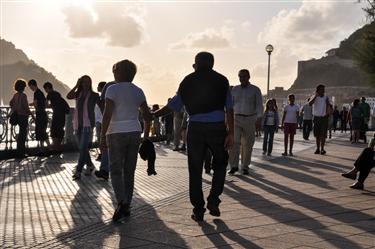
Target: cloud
(307, 32)
(312, 28)
(111, 22)
(207, 39)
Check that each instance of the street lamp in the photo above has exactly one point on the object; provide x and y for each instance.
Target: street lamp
(269, 49)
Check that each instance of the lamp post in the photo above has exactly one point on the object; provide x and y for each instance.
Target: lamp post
(269, 49)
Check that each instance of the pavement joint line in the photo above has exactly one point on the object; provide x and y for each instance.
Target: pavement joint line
(103, 226)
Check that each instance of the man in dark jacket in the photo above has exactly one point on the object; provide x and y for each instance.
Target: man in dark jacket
(207, 99)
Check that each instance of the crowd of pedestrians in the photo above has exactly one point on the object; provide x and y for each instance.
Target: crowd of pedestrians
(215, 123)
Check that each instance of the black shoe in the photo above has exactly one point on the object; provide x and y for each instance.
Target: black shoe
(214, 210)
(176, 149)
(122, 211)
(317, 152)
(232, 171)
(183, 147)
(77, 176)
(101, 174)
(151, 172)
(245, 171)
(357, 185)
(323, 152)
(197, 217)
(349, 175)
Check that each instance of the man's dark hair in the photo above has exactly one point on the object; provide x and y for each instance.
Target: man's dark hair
(32, 82)
(101, 84)
(125, 70)
(47, 85)
(355, 102)
(363, 98)
(204, 60)
(19, 85)
(320, 86)
(291, 95)
(244, 71)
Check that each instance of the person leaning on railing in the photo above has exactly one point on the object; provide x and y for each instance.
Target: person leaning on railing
(20, 106)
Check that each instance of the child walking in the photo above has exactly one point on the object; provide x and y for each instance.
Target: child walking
(270, 123)
(289, 124)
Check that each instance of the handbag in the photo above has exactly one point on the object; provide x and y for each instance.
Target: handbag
(13, 119)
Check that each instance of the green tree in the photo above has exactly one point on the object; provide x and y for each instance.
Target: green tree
(365, 55)
(370, 10)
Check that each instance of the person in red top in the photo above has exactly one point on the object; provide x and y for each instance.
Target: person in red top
(20, 105)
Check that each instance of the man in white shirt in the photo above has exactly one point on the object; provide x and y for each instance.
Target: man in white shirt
(248, 109)
(319, 102)
(306, 112)
(122, 130)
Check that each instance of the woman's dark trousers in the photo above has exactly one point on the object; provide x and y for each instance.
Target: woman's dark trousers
(364, 163)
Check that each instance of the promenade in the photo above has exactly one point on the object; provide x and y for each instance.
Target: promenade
(285, 202)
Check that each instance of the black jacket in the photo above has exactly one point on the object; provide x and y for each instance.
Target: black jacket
(147, 152)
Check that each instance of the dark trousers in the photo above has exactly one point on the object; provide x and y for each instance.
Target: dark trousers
(364, 163)
(41, 121)
(208, 161)
(200, 137)
(269, 131)
(307, 127)
(335, 120)
(343, 125)
(22, 134)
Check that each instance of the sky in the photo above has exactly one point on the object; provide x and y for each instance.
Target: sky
(73, 38)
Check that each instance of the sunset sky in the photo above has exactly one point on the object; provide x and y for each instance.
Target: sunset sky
(73, 38)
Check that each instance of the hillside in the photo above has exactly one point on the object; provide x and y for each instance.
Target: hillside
(337, 68)
(14, 63)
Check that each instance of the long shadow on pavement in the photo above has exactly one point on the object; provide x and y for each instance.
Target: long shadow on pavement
(287, 168)
(292, 215)
(221, 231)
(143, 229)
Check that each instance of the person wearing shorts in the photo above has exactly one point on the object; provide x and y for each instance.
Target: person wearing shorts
(289, 124)
(319, 102)
(60, 108)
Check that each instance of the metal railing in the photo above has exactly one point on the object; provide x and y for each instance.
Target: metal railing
(9, 133)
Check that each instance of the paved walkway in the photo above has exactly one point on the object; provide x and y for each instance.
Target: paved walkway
(292, 202)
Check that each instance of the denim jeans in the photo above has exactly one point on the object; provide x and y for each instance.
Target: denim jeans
(269, 131)
(200, 137)
(123, 155)
(84, 136)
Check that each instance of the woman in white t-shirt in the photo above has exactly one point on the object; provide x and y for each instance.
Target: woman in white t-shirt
(289, 124)
(122, 131)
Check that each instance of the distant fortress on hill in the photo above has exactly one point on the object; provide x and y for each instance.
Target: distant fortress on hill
(343, 79)
(337, 70)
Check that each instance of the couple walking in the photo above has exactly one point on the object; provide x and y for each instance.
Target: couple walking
(206, 96)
